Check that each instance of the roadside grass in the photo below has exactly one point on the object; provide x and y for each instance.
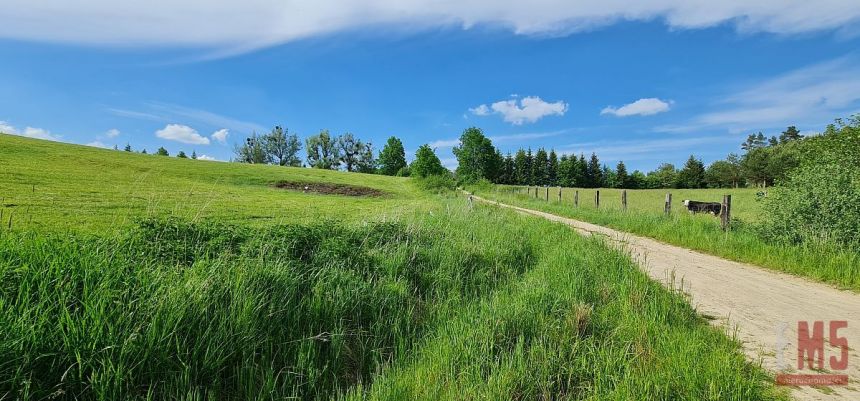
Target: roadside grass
(49, 185)
(826, 263)
(455, 304)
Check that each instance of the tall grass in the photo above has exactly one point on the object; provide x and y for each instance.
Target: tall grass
(457, 304)
(820, 261)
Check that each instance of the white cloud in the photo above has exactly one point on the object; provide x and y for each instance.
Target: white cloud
(229, 29)
(450, 163)
(221, 135)
(812, 95)
(98, 144)
(182, 133)
(528, 109)
(481, 110)
(30, 132)
(166, 112)
(205, 157)
(112, 133)
(641, 107)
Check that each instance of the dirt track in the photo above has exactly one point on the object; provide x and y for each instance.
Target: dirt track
(756, 302)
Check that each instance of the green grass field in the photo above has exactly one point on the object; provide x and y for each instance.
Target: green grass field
(826, 263)
(129, 277)
(44, 185)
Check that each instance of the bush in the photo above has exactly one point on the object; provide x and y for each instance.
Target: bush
(818, 201)
(436, 183)
(817, 204)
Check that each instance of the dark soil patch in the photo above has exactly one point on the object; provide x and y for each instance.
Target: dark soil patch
(326, 188)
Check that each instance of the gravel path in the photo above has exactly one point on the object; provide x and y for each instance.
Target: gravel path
(754, 302)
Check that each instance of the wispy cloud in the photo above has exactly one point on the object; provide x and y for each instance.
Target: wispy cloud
(642, 107)
(518, 111)
(166, 112)
(628, 150)
(30, 132)
(112, 133)
(811, 95)
(227, 29)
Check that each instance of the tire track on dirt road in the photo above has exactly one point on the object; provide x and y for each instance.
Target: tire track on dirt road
(755, 303)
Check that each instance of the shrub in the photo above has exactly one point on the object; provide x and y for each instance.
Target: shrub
(436, 183)
(818, 201)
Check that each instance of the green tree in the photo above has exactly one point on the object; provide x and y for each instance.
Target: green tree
(282, 147)
(637, 180)
(754, 141)
(692, 175)
(552, 168)
(772, 141)
(252, 150)
(426, 163)
(521, 168)
(323, 151)
(193, 155)
(755, 166)
(594, 173)
(366, 161)
(564, 170)
(530, 162)
(162, 151)
(790, 134)
(581, 178)
(718, 174)
(143, 151)
(351, 150)
(127, 147)
(181, 155)
(664, 177)
(476, 156)
(540, 166)
(621, 178)
(608, 176)
(508, 176)
(392, 158)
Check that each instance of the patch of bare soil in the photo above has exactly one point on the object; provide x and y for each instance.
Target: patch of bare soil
(327, 188)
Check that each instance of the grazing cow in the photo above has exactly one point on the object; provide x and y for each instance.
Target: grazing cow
(703, 207)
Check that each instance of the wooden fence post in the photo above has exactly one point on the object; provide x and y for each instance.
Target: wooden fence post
(597, 199)
(726, 212)
(667, 208)
(576, 198)
(559, 193)
(624, 199)
(547, 193)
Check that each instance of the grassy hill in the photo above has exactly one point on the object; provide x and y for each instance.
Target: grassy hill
(133, 277)
(48, 184)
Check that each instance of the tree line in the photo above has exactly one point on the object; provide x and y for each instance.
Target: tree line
(333, 152)
(765, 160)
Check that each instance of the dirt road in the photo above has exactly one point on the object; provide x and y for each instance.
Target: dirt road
(756, 302)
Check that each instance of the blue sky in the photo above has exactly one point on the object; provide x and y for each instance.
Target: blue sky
(646, 86)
